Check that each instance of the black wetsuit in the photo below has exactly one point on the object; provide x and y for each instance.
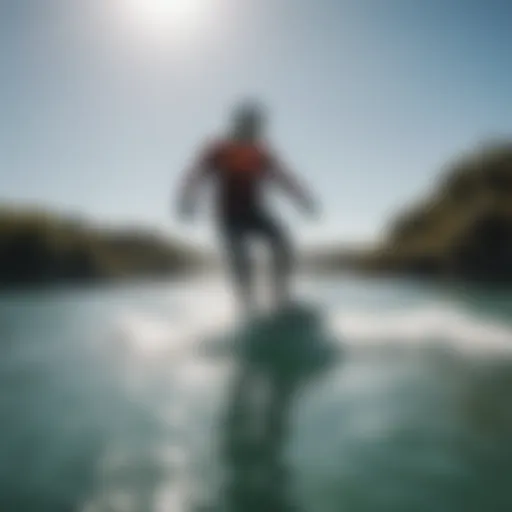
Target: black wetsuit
(240, 172)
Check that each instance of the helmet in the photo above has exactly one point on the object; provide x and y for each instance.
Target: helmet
(248, 118)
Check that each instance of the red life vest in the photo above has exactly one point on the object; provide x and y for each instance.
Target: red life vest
(240, 169)
(240, 159)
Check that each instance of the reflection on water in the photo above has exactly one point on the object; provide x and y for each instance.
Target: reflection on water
(111, 400)
(277, 356)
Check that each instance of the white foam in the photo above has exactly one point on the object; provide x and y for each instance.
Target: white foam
(202, 317)
(436, 323)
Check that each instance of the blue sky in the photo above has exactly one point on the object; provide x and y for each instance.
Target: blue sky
(369, 100)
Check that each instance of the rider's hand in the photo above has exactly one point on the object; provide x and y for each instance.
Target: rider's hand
(186, 212)
(312, 209)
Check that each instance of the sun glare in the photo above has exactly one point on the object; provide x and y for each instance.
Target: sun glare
(178, 15)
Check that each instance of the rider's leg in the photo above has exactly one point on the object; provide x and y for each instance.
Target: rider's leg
(240, 264)
(282, 258)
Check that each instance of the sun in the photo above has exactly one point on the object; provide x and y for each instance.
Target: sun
(169, 13)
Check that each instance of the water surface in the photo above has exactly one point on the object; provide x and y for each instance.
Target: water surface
(110, 399)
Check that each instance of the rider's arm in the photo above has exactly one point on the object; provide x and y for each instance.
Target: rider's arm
(290, 184)
(193, 178)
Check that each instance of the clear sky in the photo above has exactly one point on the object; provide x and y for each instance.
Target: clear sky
(104, 101)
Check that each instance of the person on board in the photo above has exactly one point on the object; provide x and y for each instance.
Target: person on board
(240, 166)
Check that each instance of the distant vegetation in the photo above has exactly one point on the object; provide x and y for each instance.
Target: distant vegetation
(462, 230)
(38, 247)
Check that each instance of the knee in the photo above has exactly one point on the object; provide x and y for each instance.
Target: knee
(283, 250)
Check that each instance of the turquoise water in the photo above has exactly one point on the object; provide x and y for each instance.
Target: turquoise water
(110, 399)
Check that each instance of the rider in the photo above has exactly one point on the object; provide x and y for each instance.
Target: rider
(240, 164)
